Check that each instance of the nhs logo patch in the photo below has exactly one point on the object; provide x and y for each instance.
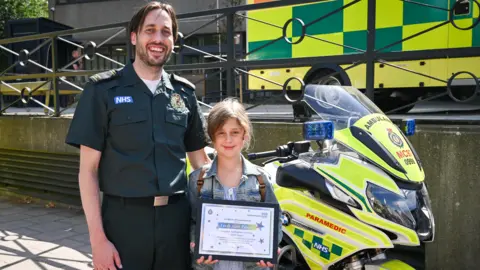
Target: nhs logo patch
(123, 99)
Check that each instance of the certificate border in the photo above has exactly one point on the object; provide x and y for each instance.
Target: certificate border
(276, 216)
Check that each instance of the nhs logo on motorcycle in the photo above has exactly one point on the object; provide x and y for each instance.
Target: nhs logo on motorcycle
(318, 130)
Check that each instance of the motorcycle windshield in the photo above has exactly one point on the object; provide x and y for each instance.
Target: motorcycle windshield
(362, 126)
(342, 105)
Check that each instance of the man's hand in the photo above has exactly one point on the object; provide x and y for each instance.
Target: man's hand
(198, 158)
(105, 255)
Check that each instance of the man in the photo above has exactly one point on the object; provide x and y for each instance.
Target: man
(134, 127)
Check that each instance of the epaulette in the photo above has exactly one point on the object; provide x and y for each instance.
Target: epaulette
(107, 75)
(183, 81)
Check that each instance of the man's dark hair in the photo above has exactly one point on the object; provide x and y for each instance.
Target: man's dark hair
(139, 18)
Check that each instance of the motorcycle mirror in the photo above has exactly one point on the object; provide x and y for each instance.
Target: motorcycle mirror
(318, 130)
(408, 127)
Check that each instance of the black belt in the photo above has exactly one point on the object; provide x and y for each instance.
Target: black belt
(149, 201)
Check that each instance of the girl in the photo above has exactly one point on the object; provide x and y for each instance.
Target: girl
(230, 176)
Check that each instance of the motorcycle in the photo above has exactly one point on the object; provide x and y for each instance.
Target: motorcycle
(352, 190)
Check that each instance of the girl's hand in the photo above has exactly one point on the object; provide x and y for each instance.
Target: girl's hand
(202, 259)
(268, 264)
(263, 264)
(209, 261)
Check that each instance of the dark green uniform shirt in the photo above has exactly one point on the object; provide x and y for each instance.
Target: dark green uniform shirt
(143, 137)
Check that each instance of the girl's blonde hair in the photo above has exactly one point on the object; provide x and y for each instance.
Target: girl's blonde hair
(224, 110)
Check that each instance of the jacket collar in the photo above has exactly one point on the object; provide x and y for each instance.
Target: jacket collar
(166, 79)
(248, 168)
(130, 77)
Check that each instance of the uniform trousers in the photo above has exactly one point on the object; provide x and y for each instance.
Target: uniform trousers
(148, 237)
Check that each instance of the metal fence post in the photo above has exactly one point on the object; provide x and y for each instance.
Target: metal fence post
(1, 102)
(370, 54)
(56, 97)
(230, 55)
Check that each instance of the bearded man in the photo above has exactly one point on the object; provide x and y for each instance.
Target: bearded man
(134, 128)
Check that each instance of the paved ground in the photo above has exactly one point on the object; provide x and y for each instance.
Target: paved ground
(34, 236)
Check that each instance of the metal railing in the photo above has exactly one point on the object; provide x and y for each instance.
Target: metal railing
(232, 65)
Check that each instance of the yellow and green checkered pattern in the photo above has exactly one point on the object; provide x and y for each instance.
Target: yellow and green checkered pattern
(318, 245)
(395, 20)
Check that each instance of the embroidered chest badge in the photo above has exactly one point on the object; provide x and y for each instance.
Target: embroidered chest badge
(123, 99)
(177, 102)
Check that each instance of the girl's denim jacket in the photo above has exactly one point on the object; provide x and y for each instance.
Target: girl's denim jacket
(248, 190)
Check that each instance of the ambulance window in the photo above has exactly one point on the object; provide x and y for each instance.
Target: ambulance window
(462, 8)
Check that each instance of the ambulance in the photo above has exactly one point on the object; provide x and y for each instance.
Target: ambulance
(442, 62)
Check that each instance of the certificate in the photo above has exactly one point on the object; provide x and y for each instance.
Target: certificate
(237, 230)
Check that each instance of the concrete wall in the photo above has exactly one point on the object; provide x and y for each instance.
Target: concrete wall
(449, 154)
(452, 165)
(35, 133)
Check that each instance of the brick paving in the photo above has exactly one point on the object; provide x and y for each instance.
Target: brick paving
(34, 236)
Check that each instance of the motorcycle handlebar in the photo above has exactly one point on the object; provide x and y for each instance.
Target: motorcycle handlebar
(265, 154)
(281, 151)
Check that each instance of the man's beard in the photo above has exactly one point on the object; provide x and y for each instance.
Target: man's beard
(143, 55)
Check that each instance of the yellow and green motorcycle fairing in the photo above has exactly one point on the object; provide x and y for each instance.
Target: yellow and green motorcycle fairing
(405, 164)
(325, 235)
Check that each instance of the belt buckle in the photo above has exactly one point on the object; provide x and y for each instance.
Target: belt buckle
(160, 201)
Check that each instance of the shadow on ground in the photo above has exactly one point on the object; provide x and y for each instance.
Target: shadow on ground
(38, 236)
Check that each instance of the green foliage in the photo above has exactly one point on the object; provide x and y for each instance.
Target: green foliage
(19, 9)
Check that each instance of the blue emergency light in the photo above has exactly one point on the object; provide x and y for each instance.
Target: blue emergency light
(408, 126)
(318, 130)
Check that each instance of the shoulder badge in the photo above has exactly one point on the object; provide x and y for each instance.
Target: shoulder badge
(183, 81)
(110, 74)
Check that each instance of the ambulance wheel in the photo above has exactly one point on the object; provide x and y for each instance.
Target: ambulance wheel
(321, 77)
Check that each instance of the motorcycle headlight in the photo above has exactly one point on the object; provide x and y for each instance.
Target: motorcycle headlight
(390, 206)
(418, 202)
(339, 195)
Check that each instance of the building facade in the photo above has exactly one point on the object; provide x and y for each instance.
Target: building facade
(93, 13)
